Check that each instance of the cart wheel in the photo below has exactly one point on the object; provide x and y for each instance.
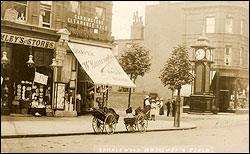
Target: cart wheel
(97, 125)
(142, 122)
(130, 127)
(110, 123)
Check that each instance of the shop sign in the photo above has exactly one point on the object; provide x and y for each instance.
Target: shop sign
(94, 23)
(17, 39)
(101, 65)
(10, 14)
(40, 78)
(228, 74)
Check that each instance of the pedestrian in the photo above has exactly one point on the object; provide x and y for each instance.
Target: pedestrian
(168, 107)
(157, 102)
(173, 108)
(147, 107)
(153, 109)
(161, 107)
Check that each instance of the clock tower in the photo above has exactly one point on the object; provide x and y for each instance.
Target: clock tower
(201, 99)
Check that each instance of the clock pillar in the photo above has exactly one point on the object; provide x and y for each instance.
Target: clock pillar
(201, 100)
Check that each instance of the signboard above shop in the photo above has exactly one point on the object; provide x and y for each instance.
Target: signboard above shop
(18, 39)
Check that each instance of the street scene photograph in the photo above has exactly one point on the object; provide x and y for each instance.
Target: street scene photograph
(124, 76)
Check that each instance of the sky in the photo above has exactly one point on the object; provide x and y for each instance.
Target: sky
(123, 16)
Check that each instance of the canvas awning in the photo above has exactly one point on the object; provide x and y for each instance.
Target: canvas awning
(100, 64)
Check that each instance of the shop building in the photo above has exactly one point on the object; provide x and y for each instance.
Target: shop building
(226, 25)
(57, 56)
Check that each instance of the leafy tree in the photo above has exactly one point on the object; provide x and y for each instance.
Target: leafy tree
(135, 61)
(175, 73)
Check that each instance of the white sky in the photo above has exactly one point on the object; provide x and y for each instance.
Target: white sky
(123, 16)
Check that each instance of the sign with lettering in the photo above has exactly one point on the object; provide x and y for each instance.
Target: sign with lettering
(11, 38)
(100, 65)
(40, 78)
(10, 14)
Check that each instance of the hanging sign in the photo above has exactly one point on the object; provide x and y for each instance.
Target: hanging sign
(40, 78)
(1, 80)
(11, 38)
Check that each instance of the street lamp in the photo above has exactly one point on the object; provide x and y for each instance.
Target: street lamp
(30, 63)
(4, 59)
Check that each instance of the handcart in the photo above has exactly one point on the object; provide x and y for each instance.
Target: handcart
(138, 121)
(104, 118)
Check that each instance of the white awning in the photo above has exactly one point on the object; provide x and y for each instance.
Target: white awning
(101, 66)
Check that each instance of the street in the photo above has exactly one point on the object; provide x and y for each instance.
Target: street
(214, 133)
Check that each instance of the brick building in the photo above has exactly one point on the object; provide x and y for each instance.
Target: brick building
(63, 35)
(226, 25)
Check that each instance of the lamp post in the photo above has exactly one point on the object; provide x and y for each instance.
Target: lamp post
(53, 66)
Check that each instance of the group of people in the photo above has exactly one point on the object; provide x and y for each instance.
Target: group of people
(155, 107)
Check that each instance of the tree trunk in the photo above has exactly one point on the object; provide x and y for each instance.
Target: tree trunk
(177, 111)
(129, 94)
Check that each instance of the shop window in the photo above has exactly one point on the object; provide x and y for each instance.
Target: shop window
(210, 24)
(100, 13)
(228, 52)
(21, 8)
(75, 7)
(229, 25)
(45, 13)
(242, 27)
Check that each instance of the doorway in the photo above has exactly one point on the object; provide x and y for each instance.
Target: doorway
(224, 100)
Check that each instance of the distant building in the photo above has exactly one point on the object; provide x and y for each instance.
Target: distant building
(226, 24)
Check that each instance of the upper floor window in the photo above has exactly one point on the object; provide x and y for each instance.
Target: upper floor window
(210, 24)
(241, 50)
(228, 52)
(45, 13)
(75, 7)
(229, 25)
(21, 8)
(100, 13)
(242, 27)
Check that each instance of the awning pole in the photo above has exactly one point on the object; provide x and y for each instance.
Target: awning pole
(95, 95)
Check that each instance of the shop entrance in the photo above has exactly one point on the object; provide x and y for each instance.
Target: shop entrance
(224, 100)
(27, 96)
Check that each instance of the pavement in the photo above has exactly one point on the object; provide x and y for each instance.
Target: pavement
(30, 126)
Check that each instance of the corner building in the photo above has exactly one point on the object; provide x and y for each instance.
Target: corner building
(226, 24)
(44, 72)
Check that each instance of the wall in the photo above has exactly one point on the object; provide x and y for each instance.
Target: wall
(119, 100)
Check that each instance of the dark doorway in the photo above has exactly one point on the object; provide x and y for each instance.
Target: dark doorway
(224, 100)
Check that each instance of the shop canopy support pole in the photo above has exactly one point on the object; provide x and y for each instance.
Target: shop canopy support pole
(129, 96)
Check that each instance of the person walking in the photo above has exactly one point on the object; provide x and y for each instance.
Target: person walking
(147, 107)
(161, 107)
(168, 107)
(157, 102)
(153, 109)
(173, 108)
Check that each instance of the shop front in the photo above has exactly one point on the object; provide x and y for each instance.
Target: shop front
(97, 71)
(27, 76)
(230, 88)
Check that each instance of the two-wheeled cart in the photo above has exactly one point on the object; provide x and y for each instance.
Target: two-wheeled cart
(138, 121)
(104, 119)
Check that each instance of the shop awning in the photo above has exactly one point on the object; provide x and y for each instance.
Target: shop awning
(101, 66)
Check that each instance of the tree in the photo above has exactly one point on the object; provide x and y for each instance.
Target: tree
(135, 61)
(175, 73)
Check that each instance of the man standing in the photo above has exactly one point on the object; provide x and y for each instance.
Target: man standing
(168, 107)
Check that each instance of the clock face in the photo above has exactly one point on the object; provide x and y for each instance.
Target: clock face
(200, 54)
(208, 54)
